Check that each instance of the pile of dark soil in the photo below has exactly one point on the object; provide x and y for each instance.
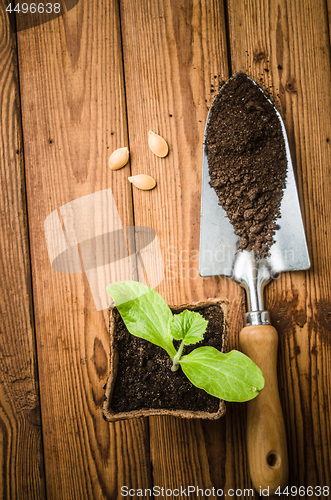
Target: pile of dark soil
(144, 378)
(247, 161)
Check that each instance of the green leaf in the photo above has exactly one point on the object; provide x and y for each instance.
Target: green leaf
(144, 312)
(188, 325)
(231, 376)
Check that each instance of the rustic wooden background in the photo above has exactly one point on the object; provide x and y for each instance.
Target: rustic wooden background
(73, 90)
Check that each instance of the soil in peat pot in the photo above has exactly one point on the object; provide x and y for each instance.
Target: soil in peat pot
(247, 161)
(144, 378)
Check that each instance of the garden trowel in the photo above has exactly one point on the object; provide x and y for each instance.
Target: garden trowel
(219, 255)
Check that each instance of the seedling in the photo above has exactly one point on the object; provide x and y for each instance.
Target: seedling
(231, 376)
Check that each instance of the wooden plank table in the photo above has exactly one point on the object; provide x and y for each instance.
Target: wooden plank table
(75, 88)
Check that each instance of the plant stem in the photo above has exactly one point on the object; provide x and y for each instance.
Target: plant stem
(178, 355)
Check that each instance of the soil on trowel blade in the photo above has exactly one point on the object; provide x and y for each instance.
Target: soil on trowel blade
(247, 161)
(144, 378)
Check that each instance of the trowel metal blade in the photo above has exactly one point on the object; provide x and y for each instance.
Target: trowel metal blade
(218, 242)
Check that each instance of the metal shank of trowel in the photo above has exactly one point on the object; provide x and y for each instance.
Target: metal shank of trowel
(252, 274)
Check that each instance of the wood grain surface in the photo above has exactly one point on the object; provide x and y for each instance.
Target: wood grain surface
(21, 473)
(285, 47)
(96, 79)
(74, 116)
(175, 57)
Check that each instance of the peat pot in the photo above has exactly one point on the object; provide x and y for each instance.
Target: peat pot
(141, 382)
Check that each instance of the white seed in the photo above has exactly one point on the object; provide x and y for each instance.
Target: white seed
(157, 144)
(143, 181)
(119, 158)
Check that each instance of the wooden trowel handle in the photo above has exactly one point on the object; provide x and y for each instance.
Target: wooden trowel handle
(266, 437)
